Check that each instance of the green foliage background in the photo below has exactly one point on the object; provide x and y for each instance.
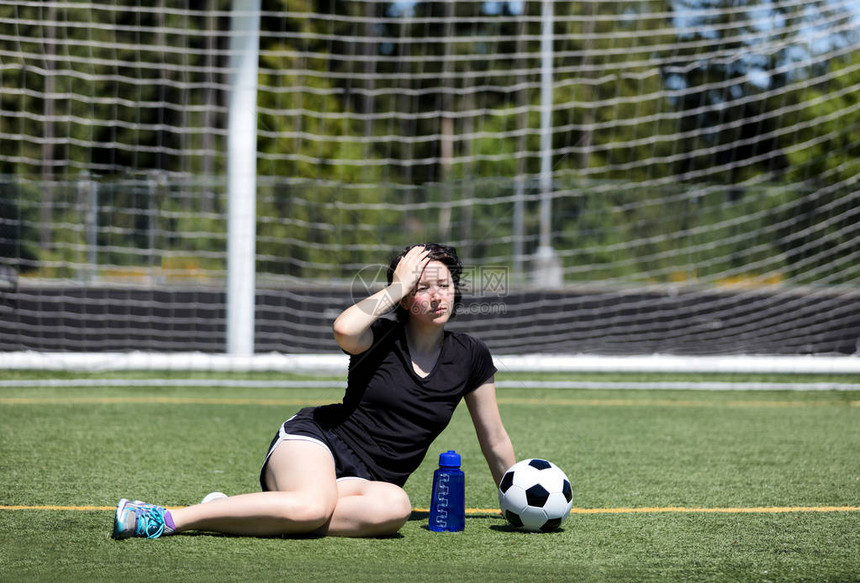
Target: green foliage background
(655, 194)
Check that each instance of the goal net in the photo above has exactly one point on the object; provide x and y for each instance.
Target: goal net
(639, 177)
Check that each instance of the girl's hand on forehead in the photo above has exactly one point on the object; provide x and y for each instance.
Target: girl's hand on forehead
(410, 267)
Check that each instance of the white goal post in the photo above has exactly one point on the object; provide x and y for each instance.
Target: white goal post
(242, 176)
(644, 184)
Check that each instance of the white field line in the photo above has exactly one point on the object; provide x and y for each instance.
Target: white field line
(336, 363)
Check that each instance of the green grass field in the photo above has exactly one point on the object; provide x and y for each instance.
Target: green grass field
(668, 485)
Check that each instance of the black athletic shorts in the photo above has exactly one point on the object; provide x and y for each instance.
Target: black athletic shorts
(302, 426)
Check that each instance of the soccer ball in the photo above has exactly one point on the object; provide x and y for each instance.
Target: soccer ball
(535, 495)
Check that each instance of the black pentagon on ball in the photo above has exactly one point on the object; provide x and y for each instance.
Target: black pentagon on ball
(551, 524)
(565, 489)
(537, 496)
(507, 482)
(513, 518)
(540, 464)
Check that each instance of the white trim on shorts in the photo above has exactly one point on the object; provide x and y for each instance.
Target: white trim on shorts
(284, 436)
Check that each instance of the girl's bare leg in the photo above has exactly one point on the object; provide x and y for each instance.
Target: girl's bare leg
(305, 498)
(367, 508)
(305, 493)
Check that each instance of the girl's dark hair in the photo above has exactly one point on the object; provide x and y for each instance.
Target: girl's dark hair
(446, 255)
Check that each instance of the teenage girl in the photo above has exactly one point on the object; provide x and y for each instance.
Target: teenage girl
(339, 469)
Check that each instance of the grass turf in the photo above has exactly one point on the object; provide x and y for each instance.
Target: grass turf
(622, 449)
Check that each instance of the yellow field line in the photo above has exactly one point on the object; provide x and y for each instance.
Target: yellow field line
(491, 511)
(502, 400)
(687, 510)
(49, 507)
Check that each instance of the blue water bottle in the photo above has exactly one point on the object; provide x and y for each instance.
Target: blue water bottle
(448, 502)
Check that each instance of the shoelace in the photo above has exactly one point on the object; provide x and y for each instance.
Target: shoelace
(150, 521)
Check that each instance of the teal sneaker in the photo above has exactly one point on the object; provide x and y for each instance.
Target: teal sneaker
(138, 519)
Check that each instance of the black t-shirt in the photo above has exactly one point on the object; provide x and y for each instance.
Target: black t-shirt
(389, 415)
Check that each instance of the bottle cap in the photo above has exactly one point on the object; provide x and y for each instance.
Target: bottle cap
(450, 459)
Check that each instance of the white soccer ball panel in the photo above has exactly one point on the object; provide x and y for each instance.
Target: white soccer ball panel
(526, 476)
(533, 518)
(553, 479)
(557, 507)
(514, 499)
